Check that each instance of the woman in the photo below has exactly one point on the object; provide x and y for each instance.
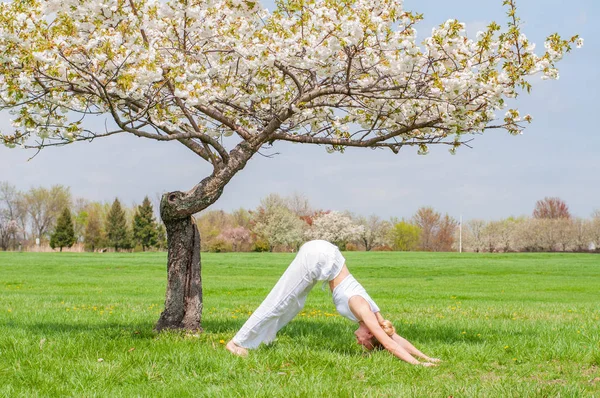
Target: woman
(316, 261)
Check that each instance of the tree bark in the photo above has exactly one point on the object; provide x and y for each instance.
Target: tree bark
(183, 302)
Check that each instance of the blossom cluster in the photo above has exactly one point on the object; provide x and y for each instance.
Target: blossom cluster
(319, 71)
(335, 227)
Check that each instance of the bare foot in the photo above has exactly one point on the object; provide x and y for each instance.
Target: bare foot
(434, 360)
(428, 364)
(236, 349)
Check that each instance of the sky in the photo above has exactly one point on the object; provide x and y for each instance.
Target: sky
(501, 176)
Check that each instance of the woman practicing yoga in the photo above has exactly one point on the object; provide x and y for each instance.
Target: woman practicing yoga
(316, 261)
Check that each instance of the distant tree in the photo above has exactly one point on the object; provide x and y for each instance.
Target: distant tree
(492, 235)
(540, 234)
(117, 235)
(552, 208)
(8, 198)
(428, 221)
(22, 218)
(44, 206)
(309, 219)
(277, 225)
(474, 235)
(79, 224)
(582, 234)
(64, 234)
(13, 215)
(241, 218)
(299, 205)
(405, 236)
(81, 209)
(144, 225)
(550, 237)
(529, 234)
(92, 236)
(8, 229)
(507, 233)
(594, 229)
(444, 238)
(437, 231)
(273, 200)
(237, 237)
(565, 233)
(161, 237)
(210, 225)
(374, 231)
(335, 227)
(11, 212)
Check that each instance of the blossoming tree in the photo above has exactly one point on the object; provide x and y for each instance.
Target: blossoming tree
(227, 77)
(335, 227)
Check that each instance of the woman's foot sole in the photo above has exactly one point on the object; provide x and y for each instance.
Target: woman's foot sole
(236, 349)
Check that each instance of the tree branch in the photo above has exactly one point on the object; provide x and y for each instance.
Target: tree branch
(206, 140)
(287, 72)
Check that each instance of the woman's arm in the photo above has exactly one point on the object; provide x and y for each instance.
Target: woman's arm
(362, 311)
(379, 317)
(411, 349)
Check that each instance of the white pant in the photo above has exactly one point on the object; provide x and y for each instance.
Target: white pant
(316, 260)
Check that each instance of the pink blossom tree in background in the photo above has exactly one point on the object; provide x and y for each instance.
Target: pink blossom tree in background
(236, 236)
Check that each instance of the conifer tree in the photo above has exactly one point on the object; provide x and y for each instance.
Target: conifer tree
(93, 232)
(144, 226)
(64, 234)
(117, 234)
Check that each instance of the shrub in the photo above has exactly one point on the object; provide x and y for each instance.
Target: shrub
(219, 246)
(382, 248)
(351, 247)
(260, 246)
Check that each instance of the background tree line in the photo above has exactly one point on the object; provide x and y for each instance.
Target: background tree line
(279, 223)
(51, 217)
(551, 228)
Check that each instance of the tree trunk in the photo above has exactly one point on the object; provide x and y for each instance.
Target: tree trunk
(183, 302)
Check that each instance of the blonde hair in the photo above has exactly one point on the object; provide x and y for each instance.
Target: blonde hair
(387, 327)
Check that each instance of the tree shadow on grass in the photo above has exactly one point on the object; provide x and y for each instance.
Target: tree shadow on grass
(142, 330)
(320, 334)
(220, 325)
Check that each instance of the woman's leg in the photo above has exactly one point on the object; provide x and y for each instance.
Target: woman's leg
(283, 303)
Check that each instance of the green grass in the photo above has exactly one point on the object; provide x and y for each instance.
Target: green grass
(513, 325)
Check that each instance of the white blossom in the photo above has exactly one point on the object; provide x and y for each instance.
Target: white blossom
(338, 68)
(335, 227)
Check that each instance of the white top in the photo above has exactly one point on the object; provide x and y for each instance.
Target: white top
(347, 289)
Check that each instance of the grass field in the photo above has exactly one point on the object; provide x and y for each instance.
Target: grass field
(514, 325)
